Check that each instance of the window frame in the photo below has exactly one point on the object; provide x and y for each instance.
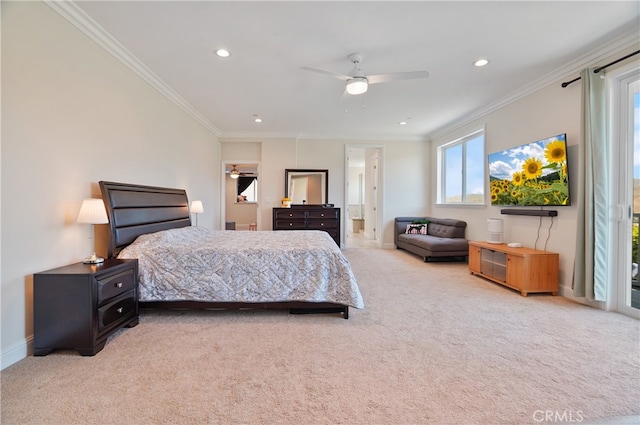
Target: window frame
(442, 169)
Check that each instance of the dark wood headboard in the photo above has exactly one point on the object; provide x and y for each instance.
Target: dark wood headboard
(134, 210)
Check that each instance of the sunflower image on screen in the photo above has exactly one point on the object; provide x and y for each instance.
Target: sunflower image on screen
(534, 174)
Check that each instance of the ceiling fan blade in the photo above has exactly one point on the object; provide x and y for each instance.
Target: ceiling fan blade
(329, 73)
(383, 78)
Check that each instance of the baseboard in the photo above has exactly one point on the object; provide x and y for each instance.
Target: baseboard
(16, 352)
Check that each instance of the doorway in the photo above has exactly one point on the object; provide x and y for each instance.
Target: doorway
(362, 215)
(241, 195)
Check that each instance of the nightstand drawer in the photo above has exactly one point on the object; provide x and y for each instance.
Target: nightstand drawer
(120, 309)
(114, 285)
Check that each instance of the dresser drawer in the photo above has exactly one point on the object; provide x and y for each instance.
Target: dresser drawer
(115, 284)
(329, 213)
(322, 224)
(289, 214)
(290, 224)
(120, 309)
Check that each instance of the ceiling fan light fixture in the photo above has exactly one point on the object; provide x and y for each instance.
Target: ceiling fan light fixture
(357, 85)
(234, 173)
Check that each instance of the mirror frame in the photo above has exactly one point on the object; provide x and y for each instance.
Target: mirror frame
(293, 171)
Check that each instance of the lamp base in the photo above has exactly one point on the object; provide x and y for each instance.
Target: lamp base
(93, 259)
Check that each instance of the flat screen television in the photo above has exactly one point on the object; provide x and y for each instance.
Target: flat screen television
(533, 174)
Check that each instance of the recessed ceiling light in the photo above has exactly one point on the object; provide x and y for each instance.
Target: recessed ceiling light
(402, 123)
(223, 53)
(257, 119)
(481, 62)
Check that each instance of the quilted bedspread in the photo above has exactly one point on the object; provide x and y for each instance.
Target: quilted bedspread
(198, 264)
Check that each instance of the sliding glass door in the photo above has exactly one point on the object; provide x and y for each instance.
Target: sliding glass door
(625, 96)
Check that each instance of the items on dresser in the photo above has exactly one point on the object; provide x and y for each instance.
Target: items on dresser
(80, 305)
(308, 217)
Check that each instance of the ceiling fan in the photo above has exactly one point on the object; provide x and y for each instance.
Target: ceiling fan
(234, 173)
(358, 83)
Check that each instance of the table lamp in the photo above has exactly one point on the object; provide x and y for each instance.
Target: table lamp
(197, 208)
(93, 211)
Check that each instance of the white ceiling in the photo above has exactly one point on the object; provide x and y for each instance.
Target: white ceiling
(526, 42)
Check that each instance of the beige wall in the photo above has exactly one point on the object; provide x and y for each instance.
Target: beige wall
(73, 115)
(544, 113)
(404, 174)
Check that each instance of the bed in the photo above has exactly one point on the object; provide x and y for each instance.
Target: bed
(182, 266)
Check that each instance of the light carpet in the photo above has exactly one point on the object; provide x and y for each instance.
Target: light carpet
(434, 345)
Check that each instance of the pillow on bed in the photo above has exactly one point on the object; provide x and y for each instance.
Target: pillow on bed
(416, 229)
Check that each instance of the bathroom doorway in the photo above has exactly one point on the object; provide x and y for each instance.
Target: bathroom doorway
(362, 193)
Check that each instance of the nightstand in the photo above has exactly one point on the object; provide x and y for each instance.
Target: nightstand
(78, 306)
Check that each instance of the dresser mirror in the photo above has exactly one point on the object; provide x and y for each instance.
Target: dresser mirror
(306, 187)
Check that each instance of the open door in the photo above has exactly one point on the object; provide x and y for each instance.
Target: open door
(362, 197)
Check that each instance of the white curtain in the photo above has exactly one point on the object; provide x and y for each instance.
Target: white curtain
(592, 245)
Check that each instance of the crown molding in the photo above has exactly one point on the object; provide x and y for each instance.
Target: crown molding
(626, 40)
(240, 136)
(77, 17)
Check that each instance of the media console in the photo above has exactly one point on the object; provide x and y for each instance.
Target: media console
(524, 269)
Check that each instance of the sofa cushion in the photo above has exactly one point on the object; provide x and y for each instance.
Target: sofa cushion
(455, 229)
(434, 243)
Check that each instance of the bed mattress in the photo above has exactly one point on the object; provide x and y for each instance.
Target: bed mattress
(198, 264)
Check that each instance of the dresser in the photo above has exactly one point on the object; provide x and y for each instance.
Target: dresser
(308, 217)
(80, 305)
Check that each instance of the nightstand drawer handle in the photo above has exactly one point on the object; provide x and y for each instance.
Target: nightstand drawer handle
(118, 285)
(119, 310)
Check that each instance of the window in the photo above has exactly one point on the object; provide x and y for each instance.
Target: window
(461, 170)
(247, 189)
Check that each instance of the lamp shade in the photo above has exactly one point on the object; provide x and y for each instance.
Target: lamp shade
(494, 230)
(357, 85)
(196, 207)
(93, 211)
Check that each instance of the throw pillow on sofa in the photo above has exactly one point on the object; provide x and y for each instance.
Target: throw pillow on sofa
(416, 229)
